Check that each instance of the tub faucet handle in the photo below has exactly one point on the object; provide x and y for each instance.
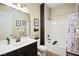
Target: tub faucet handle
(55, 42)
(49, 39)
(48, 35)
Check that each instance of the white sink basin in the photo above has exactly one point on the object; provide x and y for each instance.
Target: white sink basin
(5, 48)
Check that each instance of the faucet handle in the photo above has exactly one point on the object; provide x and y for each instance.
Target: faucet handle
(48, 35)
(18, 39)
(55, 42)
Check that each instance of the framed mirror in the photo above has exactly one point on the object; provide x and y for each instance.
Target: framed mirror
(13, 22)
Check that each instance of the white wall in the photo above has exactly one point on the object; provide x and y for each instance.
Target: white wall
(58, 33)
(5, 22)
(59, 15)
(47, 12)
(33, 9)
(47, 15)
(63, 9)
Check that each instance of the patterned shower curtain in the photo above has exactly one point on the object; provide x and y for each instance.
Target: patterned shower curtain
(71, 40)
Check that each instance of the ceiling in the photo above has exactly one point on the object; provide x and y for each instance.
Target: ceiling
(52, 5)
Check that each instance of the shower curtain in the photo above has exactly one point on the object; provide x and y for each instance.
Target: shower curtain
(71, 40)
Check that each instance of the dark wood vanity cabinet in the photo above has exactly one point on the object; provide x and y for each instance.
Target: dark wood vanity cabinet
(29, 50)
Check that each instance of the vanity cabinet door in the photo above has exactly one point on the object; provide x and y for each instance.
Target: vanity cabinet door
(21, 51)
(13, 53)
(29, 50)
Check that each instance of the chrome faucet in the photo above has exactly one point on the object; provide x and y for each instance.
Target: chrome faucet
(18, 39)
(8, 40)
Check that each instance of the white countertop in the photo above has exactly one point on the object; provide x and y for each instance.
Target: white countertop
(5, 48)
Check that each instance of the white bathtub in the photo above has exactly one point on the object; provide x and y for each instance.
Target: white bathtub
(55, 49)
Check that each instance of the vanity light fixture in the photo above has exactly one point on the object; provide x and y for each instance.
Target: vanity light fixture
(21, 5)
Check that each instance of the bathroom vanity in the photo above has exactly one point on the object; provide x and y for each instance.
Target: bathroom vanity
(22, 48)
(16, 25)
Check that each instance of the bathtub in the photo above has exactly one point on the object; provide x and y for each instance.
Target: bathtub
(56, 49)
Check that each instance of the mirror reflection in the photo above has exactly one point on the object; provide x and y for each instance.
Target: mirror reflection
(13, 23)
